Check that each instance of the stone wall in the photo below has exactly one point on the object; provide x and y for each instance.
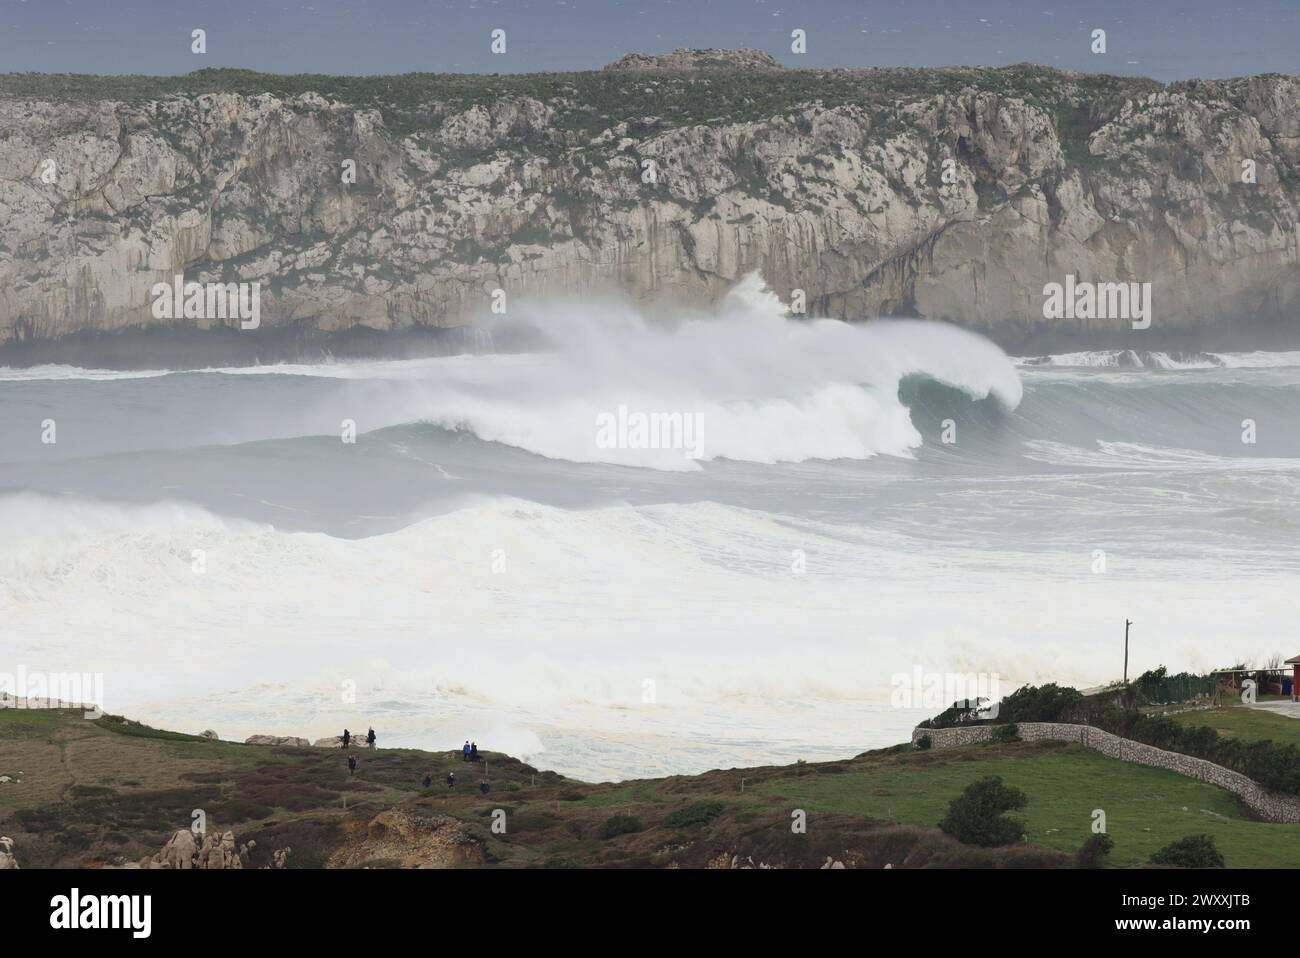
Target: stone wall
(1268, 805)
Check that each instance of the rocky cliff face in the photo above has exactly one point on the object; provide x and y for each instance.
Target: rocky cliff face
(953, 194)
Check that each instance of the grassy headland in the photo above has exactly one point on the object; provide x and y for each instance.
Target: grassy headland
(94, 793)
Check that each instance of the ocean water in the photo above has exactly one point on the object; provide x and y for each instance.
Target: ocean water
(480, 564)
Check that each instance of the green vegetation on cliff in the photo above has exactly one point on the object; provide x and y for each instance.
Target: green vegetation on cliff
(108, 793)
(593, 100)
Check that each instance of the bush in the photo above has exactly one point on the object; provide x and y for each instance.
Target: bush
(1194, 851)
(1271, 765)
(1093, 852)
(701, 813)
(975, 817)
(1006, 733)
(923, 742)
(1046, 703)
(620, 825)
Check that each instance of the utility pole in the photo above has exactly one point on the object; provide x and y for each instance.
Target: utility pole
(1127, 623)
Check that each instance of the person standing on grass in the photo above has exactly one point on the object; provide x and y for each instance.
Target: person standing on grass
(347, 738)
(473, 751)
(451, 779)
(352, 764)
(465, 750)
(370, 738)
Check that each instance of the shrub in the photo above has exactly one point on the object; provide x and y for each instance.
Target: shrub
(1045, 703)
(1006, 733)
(1194, 851)
(1093, 852)
(89, 791)
(619, 825)
(975, 817)
(701, 813)
(1271, 765)
(923, 742)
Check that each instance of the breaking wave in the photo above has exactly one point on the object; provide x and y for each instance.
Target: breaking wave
(1158, 359)
(755, 384)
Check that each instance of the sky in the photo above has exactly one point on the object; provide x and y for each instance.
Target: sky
(1163, 39)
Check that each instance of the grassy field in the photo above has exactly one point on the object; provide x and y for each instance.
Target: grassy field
(96, 793)
(1145, 808)
(1235, 720)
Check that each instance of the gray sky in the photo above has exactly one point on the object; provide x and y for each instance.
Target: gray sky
(1165, 39)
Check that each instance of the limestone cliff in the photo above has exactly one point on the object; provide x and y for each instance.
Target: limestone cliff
(954, 194)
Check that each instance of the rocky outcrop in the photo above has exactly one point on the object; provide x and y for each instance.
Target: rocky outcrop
(276, 740)
(398, 837)
(951, 194)
(179, 852)
(686, 58)
(7, 859)
(215, 851)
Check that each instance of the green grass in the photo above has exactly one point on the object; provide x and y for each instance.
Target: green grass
(122, 726)
(96, 792)
(593, 100)
(632, 793)
(17, 723)
(1145, 808)
(1247, 724)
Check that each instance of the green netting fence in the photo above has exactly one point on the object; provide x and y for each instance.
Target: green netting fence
(1175, 688)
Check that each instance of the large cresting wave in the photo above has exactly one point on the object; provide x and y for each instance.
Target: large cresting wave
(744, 381)
(759, 385)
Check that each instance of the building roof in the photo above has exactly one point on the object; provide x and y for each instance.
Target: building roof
(1291, 661)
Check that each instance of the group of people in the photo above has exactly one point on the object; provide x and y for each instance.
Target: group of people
(451, 780)
(347, 738)
(470, 754)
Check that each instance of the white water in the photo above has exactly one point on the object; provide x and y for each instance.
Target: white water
(1158, 359)
(513, 582)
(550, 657)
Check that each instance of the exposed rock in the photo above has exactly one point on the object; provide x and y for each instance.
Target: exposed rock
(208, 733)
(7, 858)
(957, 200)
(276, 740)
(215, 851)
(414, 841)
(687, 58)
(179, 851)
